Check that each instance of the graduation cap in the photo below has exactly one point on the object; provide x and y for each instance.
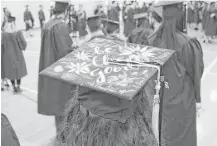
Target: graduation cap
(61, 6)
(106, 86)
(141, 18)
(94, 22)
(111, 26)
(166, 3)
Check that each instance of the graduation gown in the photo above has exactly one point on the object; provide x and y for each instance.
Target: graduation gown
(28, 17)
(190, 15)
(8, 135)
(211, 23)
(130, 22)
(82, 23)
(113, 14)
(139, 36)
(55, 44)
(183, 77)
(41, 15)
(13, 62)
(204, 17)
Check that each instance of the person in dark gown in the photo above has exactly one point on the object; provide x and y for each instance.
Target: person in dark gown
(112, 29)
(113, 13)
(181, 20)
(144, 8)
(140, 34)
(73, 20)
(13, 61)
(211, 23)
(182, 99)
(137, 8)
(130, 21)
(81, 22)
(190, 15)
(95, 25)
(41, 16)
(55, 44)
(8, 135)
(29, 21)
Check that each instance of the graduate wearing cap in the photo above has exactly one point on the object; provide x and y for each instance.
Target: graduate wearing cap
(140, 34)
(81, 22)
(182, 100)
(94, 23)
(55, 44)
(210, 28)
(29, 20)
(112, 29)
(130, 23)
(113, 13)
(13, 62)
(41, 16)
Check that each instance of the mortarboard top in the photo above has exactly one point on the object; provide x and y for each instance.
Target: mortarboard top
(61, 5)
(166, 3)
(86, 67)
(140, 16)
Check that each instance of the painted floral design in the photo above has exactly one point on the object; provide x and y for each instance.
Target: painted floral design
(79, 68)
(58, 69)
(121, 80)
(138, 54)
(82, 56)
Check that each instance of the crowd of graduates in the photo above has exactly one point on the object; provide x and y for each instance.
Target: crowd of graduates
(69, 28)
(204, 13)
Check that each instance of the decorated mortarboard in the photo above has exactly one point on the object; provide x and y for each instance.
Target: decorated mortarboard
(100, 65)
(115, 80)
(140, 15)
(61, 6)
(166, 3)
(111, 25)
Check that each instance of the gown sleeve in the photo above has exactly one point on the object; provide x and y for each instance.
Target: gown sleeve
(193, 58)
(21, 41)
(62, 40)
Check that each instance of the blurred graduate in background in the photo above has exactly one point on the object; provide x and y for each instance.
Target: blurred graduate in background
(183, 99)
(55, 44)
(13, 61)
(140, 34)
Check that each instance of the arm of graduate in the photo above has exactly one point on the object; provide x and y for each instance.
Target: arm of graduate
(195, 66)
(62, 41)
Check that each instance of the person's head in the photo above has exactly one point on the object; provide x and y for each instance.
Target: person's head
(101, 8)
(5, 10)
(72, 7)
(142, 20)
(27, 7)
(114, 3)
(60, 8)
(94, 23)
(81, 7)
(41, 7)
(112, 27)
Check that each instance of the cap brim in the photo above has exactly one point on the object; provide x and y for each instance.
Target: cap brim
(110, 21)
(166, 3)
(140, 15)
